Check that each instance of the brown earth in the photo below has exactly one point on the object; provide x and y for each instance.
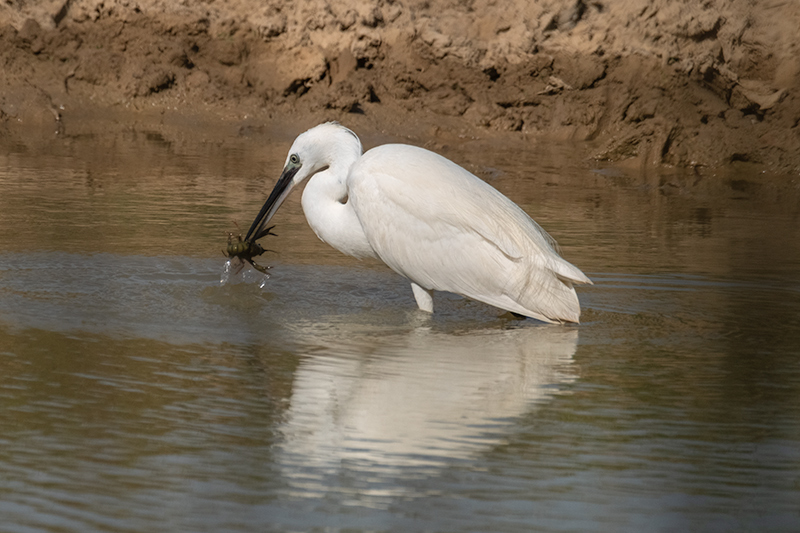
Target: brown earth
(652, 82)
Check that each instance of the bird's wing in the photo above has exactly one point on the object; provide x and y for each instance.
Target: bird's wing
(445, 229)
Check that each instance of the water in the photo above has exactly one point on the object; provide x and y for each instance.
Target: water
(137, 393)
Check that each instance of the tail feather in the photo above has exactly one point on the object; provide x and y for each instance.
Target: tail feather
(548, 293)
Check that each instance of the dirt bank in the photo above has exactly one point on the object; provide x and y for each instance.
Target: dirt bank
(649, 81)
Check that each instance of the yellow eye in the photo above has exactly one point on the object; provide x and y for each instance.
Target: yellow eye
(293, 159)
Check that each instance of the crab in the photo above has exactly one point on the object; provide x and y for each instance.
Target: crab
(245, 251)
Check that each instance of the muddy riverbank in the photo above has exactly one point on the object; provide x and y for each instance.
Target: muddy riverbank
(648, 83)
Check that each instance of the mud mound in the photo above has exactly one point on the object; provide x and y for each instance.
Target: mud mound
(653, 81)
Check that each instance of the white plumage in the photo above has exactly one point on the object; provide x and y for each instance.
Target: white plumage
(429, 220)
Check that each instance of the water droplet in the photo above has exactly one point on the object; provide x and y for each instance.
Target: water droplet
(226, 273)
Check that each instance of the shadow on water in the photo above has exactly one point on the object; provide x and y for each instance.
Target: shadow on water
(138, 393)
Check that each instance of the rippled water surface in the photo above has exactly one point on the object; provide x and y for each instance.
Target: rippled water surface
(137, 393)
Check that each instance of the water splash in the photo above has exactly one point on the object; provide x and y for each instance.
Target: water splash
(227, 273)
(233, 273)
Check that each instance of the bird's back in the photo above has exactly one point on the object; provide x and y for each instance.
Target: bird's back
(446, 229)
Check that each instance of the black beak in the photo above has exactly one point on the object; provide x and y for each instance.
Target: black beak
(279, 193)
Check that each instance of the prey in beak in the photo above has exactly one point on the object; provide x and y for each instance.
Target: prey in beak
(244, 251)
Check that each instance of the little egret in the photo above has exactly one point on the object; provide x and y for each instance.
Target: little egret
(429, 220)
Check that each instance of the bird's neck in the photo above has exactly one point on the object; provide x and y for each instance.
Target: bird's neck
(330, 214)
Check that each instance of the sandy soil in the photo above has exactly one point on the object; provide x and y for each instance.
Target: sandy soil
(650, 82)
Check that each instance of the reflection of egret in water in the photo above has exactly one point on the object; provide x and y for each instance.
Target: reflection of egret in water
(407, 405)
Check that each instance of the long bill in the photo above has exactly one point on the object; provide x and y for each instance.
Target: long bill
(279, 193)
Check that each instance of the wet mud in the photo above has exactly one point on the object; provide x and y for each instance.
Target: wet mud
(648, 83)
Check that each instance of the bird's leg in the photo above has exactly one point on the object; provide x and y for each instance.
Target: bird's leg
(424, 297)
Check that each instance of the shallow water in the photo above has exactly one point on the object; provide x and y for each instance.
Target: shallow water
(139, 394)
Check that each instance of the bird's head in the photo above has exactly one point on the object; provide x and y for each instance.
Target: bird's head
(317, 149)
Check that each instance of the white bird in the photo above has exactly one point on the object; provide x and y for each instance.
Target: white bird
(429, 220)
